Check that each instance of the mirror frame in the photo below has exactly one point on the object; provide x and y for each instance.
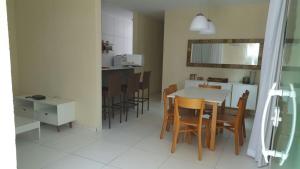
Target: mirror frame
(233, 66)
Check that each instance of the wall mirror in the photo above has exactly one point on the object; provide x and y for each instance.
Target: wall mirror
(225, 53)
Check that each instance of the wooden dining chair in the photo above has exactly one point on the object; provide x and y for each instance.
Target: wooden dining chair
(168, 110)
(245, 95)
(190, 124)
(234, 123)
(208, 108)
(173, 87)
(209, 86)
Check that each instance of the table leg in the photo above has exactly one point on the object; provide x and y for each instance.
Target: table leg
(70, 125)
(223, 107)
(37, 133)
(213, 126)
(223, 112)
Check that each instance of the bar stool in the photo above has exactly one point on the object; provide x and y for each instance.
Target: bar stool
(130, 90)
(145, 84)
(109, 93)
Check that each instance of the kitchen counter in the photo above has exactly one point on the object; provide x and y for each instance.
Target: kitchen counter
(119, 68)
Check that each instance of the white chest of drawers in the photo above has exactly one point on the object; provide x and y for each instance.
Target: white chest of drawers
(54, 111)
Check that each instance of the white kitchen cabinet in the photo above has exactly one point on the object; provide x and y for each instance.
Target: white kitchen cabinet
(237, 91)
(54, 111)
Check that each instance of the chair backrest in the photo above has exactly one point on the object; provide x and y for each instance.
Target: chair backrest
(188, 103)
(173, 87)
(133, 83)
(146, 80)
(168, 104)
(245, 96)
(210, 86)
(114, 85)
(247, 93)
(241, 111)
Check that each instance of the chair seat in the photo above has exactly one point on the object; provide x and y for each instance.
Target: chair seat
(226, 118)
(194, 121)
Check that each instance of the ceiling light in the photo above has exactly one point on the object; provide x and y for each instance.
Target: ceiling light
(199, 23)
(211, 29)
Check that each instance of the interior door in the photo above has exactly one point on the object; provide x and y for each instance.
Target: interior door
(286, 121)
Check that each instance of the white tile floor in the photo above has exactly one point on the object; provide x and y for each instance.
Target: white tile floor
(131, 145)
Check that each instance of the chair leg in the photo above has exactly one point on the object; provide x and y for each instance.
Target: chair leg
(126, 109)
(236, 141)
(190, 140)
(188, 137)
(137, 104)
(199, 144)
(112, 108)
(148, 97)
(168, 126)
(137, 110)
(164, 127)
(207, 135)
(244, 128)
(142, 101)
(104, 109)
(175, 137)
(241, 136)
(121, 109)
(109, 120)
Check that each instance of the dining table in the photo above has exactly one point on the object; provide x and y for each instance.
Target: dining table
(212, 97)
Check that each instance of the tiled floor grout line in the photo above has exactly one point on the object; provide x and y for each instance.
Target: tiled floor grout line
(130, 148)
(159, 167)
(222, 151)
(137, 143)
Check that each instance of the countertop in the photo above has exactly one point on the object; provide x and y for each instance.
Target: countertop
(118, 68)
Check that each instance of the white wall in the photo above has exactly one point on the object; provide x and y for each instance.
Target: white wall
(148, 40)
(231, 21)
(117, 28)
(58, 48)
(7, 126)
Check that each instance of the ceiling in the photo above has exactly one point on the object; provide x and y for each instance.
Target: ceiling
(156, 8)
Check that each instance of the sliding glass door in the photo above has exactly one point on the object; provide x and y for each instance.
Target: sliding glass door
(286, 117)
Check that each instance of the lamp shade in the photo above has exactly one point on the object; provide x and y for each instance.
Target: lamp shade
(199, 23)
(211, 29)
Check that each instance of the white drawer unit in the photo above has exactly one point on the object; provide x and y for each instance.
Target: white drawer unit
(193, 83)
(54, 111)
(236, 91)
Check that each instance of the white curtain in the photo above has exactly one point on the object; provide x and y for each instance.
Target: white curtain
(270, 71)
